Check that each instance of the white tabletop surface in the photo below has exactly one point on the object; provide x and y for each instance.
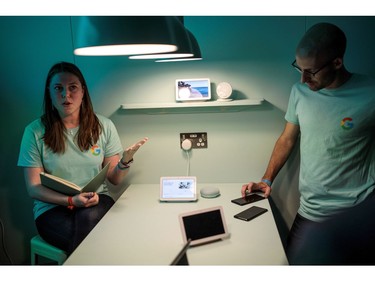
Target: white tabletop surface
(139, 230)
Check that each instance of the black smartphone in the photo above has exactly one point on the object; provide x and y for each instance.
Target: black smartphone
(251, 198)
(250, 213)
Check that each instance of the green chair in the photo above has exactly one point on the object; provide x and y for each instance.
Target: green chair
(39, 247)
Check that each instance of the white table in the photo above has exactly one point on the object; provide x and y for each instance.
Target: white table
(139, 230)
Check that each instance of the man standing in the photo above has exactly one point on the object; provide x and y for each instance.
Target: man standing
(333, 112)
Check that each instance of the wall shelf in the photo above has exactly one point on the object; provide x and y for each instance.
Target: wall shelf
(191, 107)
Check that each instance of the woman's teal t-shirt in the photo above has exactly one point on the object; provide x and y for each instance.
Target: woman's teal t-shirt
(74, 165)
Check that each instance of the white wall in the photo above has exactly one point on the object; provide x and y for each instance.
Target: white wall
(251, 53)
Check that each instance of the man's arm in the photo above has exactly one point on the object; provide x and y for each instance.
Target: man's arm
(282, 149)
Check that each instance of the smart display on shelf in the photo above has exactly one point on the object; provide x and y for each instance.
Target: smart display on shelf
(193, 90)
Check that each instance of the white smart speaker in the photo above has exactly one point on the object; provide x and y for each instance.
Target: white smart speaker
(224, 91)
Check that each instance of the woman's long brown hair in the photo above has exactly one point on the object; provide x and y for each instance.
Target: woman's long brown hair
(89, 127)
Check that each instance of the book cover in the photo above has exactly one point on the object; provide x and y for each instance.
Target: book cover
(69, 188)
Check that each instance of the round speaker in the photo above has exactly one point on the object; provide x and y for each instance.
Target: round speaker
(224, 91)
(210, 192)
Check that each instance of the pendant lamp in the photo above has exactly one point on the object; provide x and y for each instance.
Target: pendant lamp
(195, 50)
(126, 35)
(184, 47)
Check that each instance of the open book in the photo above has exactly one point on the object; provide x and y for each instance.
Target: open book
(63, 186)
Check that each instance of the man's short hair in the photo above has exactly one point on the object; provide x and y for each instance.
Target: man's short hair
(323, 39)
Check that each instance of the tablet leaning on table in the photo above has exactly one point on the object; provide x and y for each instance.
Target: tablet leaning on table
(204, 225)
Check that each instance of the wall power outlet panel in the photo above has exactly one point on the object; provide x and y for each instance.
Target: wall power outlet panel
(198, 140)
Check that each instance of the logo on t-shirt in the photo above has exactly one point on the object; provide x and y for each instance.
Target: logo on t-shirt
(347, 123)
(95, 150)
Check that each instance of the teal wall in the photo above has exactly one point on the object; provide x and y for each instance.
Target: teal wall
(253, 54)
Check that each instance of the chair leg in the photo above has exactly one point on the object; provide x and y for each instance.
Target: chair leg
(34, 258)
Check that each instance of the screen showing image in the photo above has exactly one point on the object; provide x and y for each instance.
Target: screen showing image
(203, 225)
(194, 89)
(178, 188)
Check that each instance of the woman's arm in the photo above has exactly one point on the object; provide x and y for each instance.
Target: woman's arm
(39, 192)
(119, 168)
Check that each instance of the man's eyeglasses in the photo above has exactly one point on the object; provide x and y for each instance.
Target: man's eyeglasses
(312, 73)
